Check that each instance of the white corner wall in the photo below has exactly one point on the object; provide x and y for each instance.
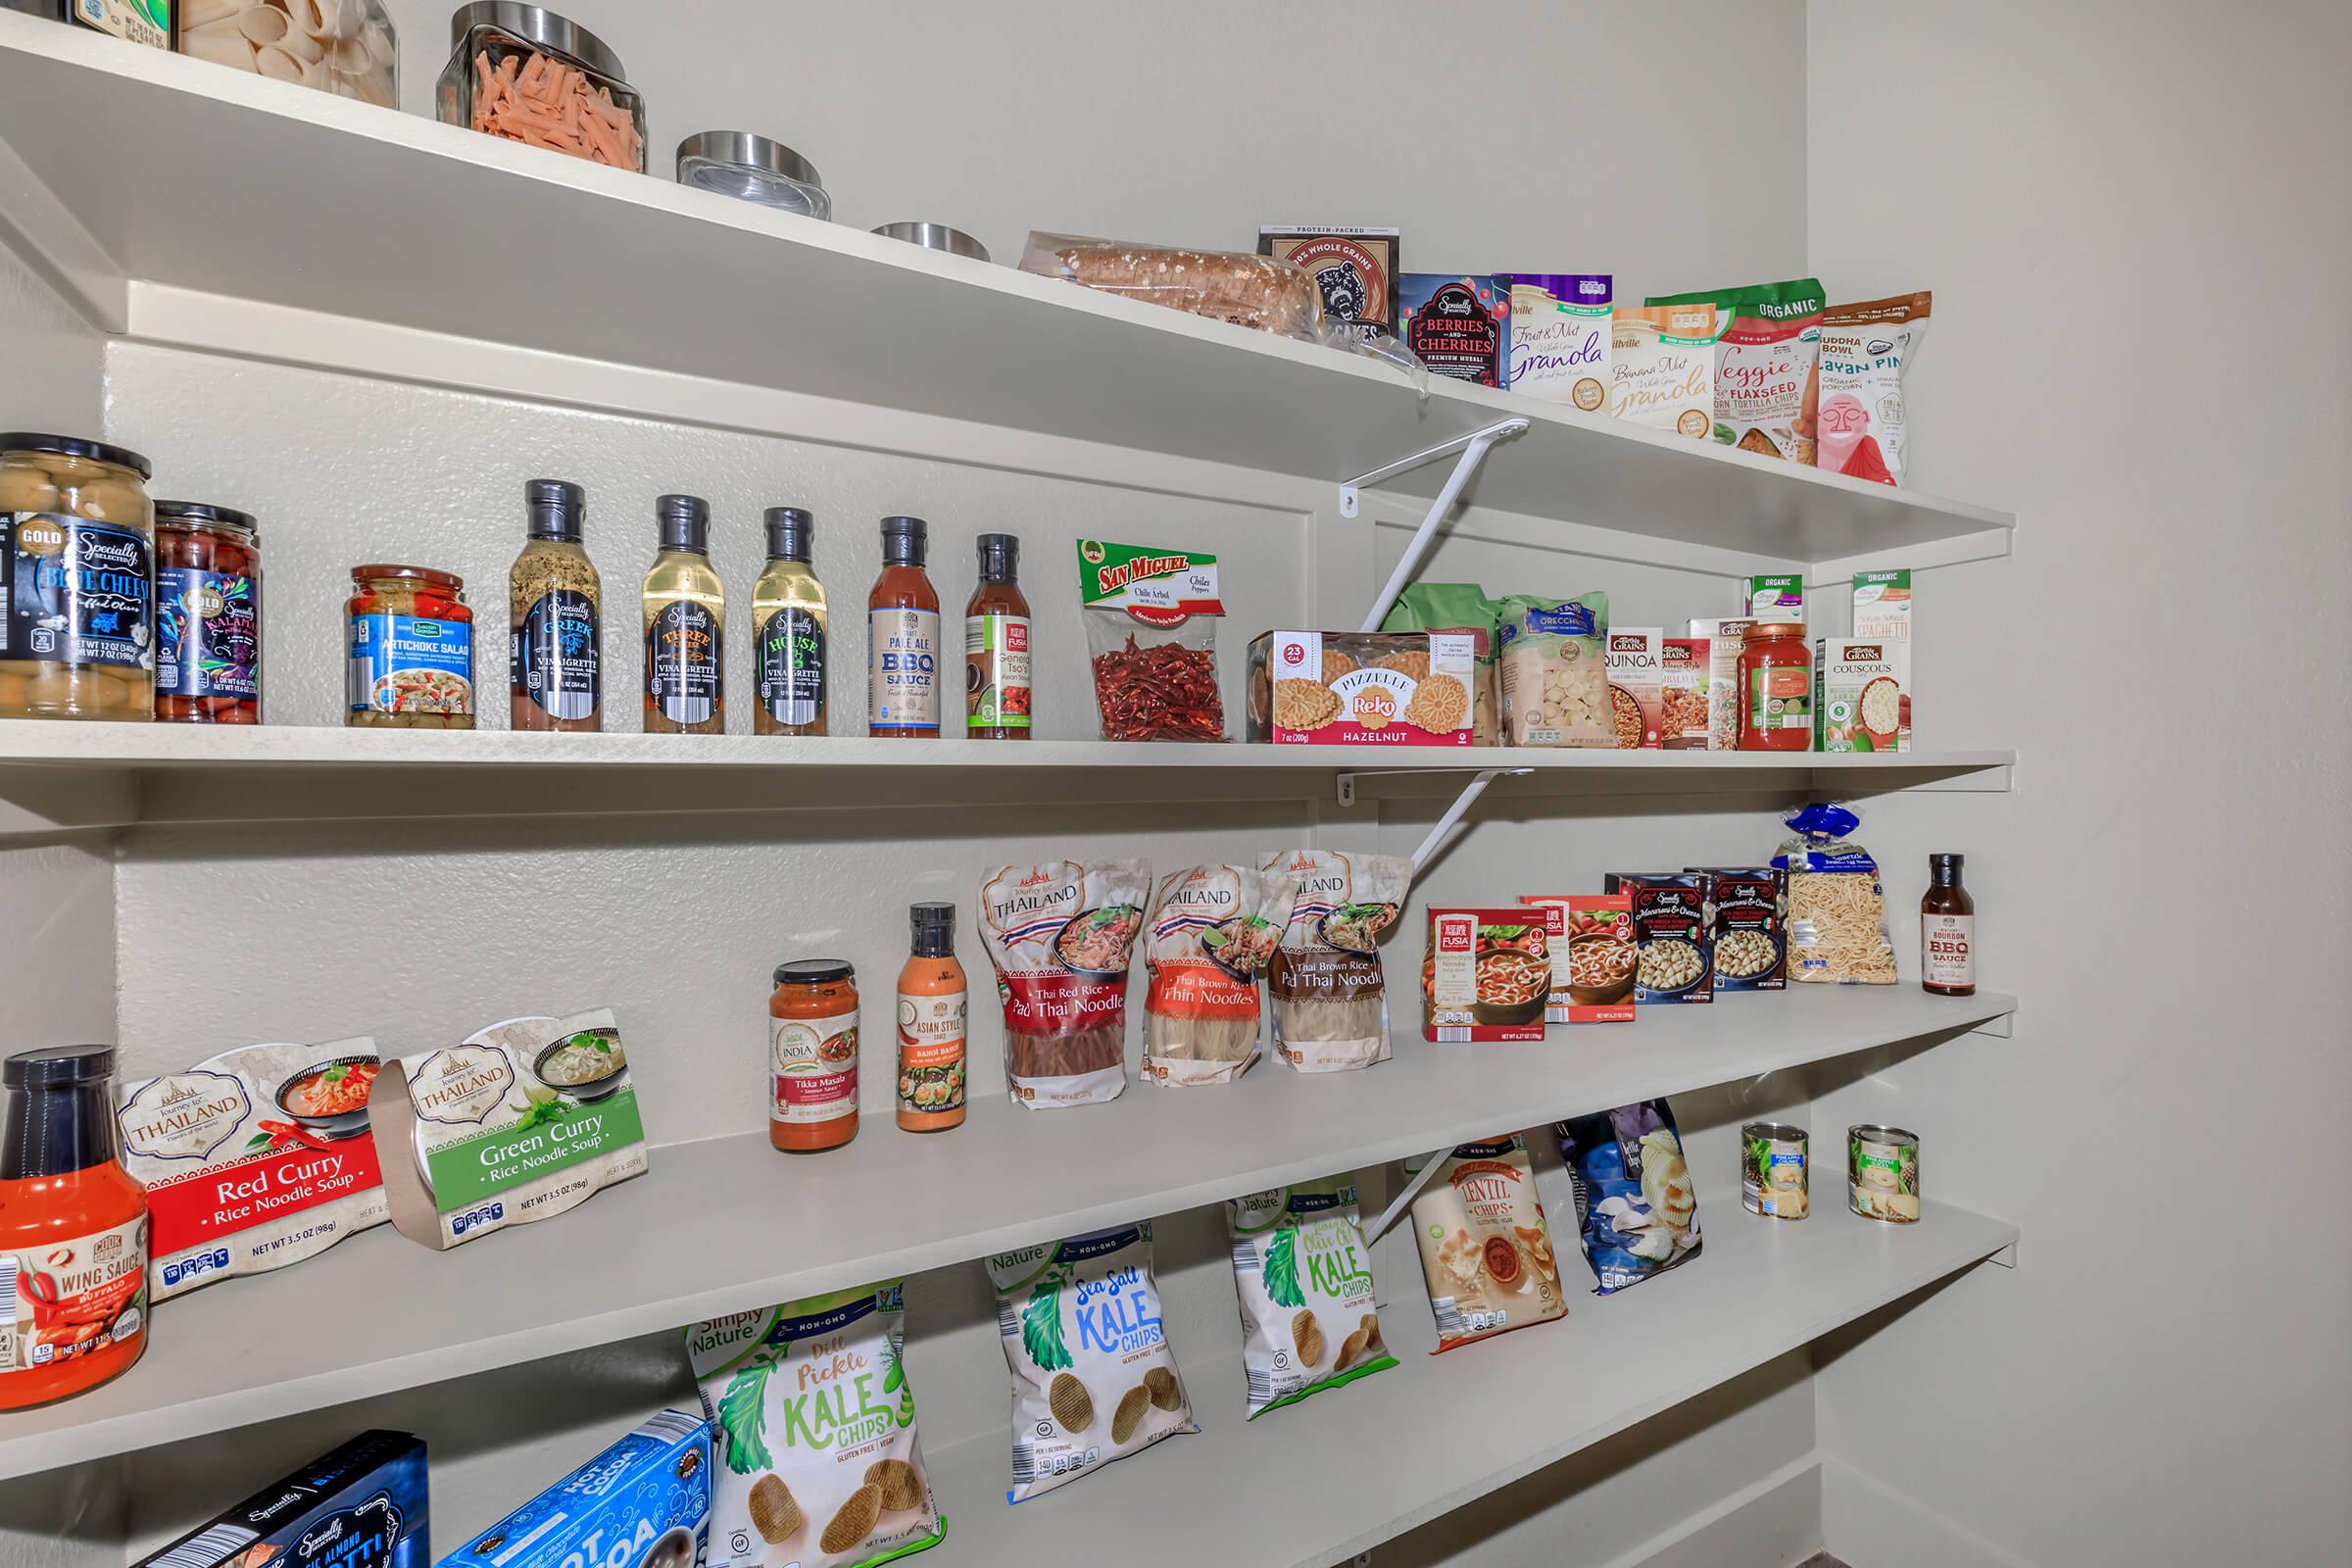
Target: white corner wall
(2134, 217)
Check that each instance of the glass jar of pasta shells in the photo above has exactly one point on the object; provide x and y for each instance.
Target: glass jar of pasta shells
(77, 580)
(411, 649)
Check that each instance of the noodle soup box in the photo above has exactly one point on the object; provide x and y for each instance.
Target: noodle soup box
(1593, 958)
(644, 1502)
(1382, 688)
(1673, 934)
(1859, 704)
(361, 1505)
(1488, 973)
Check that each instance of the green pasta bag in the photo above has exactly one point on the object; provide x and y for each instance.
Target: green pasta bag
(1456, 607)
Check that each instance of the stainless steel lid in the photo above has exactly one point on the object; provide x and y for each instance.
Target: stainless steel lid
(539, 26)
(1779, 1131)
(742, 150)
(936, 237)
(1873, 1133)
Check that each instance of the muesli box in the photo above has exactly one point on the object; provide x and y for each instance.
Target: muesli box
(1458, 326)
(1593, 958)
(1329, 688)
(518, 1121)
(1672, 932)
(1488, 973)
(253, 1159)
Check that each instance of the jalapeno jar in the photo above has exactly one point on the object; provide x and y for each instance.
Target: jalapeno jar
(411, 649)
(208, 615)
(77, 563)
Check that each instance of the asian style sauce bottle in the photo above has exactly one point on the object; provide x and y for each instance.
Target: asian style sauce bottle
(685, 625)
(901, 639)
(934, 1005)
(1947, 931)
(788, 631)
(996, 646)
(555, 677)
(73, 1229)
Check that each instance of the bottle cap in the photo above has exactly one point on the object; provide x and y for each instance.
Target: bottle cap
(57, 1067)
(813, 971)
(685, 522)
(902, 541)
(554, 507)
(1945, 864)
(788, 531)
(934, 929)
(999, 556)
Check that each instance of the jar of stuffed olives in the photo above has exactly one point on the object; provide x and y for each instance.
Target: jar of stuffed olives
(208, 611)
(77, 580)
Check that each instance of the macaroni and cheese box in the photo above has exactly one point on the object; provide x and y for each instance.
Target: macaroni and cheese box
(644, 1502)
(1376, 688)
(1671, 934)
(1593, 958)
(1750, 926)
(1859, 704)
(361, 1505)
(1488, 973)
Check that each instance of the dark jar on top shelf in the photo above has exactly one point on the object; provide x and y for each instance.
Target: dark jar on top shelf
(208, 615)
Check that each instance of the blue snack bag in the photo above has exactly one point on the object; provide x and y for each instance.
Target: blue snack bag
(1637, 1212)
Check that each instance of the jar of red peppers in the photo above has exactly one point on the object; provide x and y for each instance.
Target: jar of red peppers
(208, 615)
(411, 649)
(1151, 629)
(1776, 688)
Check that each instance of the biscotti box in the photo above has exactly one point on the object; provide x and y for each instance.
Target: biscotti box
(1330, 688)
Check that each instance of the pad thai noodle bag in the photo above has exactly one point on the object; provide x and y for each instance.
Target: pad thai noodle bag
(1836, 905)
(1324, 985)
(1060, 934)
(1212, 931)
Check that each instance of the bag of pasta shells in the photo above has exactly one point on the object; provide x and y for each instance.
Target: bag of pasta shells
(1325, 986)
(1304, 1280)
(814, 1462)
(1836, 905)
(1555, 682)
(1212, 931)
(1092, 1377)
(1637, 1210)
(1060, 934)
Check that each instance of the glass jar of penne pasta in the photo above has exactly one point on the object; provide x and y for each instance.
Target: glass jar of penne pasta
(525, 74)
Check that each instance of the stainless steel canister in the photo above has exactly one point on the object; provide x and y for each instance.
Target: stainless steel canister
(1773, 1170)
(752, 169)
(936, 237)
(1881, 1175)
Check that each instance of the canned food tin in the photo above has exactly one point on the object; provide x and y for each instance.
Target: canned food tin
(1882, 1172)
(1772, 1170)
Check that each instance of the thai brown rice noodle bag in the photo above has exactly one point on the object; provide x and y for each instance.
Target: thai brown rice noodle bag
(1325, 985)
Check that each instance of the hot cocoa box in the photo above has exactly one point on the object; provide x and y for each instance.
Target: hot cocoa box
(1331, 688)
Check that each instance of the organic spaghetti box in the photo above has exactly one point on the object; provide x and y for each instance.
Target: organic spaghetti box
(253, 1159)
(1488, 973)
(1859, 704)
(1593, 958)
(518, 1121)
(1633, 685)
(1882, 615)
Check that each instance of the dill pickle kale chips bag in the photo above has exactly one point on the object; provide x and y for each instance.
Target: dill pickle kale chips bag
(812, 1426)
(1305, 1286)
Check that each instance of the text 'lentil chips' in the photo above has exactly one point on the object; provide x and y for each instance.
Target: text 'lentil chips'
(1093, 1376)
(813, 1423)
(1304, 1282)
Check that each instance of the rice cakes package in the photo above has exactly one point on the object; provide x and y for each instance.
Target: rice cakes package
(1325, 984)
(519, 1121)
(1209, 937)
(1637, 1212)
(1092, 1377)
(1060, 935)
(253, 1159)
(815, 1463)
(1486, 1253)
(1304, 1280)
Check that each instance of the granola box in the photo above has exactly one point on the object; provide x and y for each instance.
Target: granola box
(1633, 685)
(1662, 367)
(1488, 973)
(1330, 688)
(253, 1159)
(1561, 336)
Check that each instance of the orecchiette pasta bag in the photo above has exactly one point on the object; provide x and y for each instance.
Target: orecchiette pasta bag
(1555, 683)
(1837, 908)
(815, 1462)
(1304, 1280)
(1485, 1252)
(1093, 1376)
(1637, 1212)
(1325, 985)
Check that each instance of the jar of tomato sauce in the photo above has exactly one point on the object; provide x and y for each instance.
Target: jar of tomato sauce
(73, 1229)
(812, 1055)
(411, 649)
(1776, 688)
(208, 615)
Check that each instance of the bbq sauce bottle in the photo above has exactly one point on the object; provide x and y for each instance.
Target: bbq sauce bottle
(1947, 931)
(901, 639)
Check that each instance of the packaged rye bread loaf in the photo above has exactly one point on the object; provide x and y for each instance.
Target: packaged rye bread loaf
(1060, 934)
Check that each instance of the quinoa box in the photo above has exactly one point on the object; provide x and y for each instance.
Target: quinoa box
(1488, 973)
(1384, 688)
(1633, 685)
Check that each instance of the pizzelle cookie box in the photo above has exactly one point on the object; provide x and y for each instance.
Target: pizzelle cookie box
(644, 1502)
(518, 1121)
(1329, 688)
(253, 1159)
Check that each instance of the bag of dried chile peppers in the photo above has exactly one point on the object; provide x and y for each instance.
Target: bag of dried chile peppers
(1152, 632)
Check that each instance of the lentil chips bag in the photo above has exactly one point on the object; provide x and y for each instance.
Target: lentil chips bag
(1304, 1280)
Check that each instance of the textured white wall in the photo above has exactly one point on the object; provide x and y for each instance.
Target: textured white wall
(2119, 207)
(53, 381)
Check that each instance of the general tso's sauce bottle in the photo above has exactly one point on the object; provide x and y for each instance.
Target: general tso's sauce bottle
(812, 1055)
(1776, 689)
(901, 639)
(996, 646)
(73, 1229)
(1947, 931)
(934, 1007)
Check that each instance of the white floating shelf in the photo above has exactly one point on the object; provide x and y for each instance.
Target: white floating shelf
(60, 774)
(127, 176)
(670, 1244)
(1757, 1288)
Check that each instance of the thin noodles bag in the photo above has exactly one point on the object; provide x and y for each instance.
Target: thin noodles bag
(1208, 940)
(1837, 908)
(1060, 934)
(1325, 986)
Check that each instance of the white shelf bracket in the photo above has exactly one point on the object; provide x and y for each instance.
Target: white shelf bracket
(1473, 449)
(1404, 1200)
(1453, 813)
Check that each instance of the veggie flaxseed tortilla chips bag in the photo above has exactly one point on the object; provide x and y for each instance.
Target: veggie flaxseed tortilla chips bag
(1767, 365)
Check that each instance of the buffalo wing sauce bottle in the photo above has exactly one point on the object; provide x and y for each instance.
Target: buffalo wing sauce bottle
(934, 1006)
(73, 1229)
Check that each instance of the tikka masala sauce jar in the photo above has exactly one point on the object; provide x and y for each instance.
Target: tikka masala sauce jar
(1776, 688)
(812, 1055)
